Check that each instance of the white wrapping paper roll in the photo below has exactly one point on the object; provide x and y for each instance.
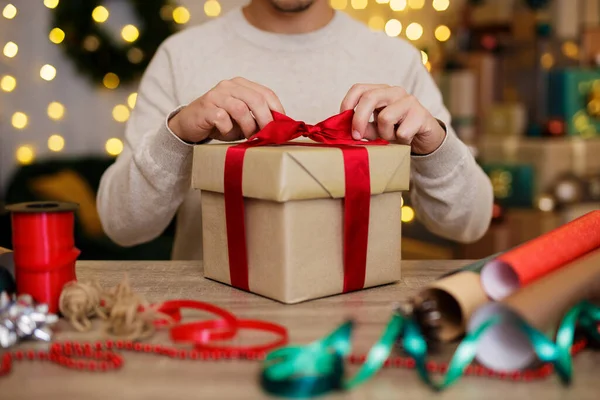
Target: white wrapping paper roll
(566, 18)
(462, 102)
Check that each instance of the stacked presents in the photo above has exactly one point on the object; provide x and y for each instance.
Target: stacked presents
(527, 75)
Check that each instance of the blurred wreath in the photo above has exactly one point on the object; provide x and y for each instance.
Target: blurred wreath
(94, 50)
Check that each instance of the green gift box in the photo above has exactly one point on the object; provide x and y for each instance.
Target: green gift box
(513, 184)
(574, 97)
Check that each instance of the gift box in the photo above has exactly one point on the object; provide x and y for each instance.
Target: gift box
(551, 158)
(517, 227)
(301, 220)
(513, 184)
(506, 119)
(590, 46)
(574, 96)
(527, 224)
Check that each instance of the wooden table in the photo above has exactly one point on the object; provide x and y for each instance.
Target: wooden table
(153, 377)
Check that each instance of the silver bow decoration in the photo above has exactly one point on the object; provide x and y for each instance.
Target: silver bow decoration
(22, 319)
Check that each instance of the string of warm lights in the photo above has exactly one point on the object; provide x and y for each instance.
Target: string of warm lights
(393, 26)
(56, 111)
(25, 154)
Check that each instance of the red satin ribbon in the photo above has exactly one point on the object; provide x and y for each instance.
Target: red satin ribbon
(220, 329)
(44, 254)
(334, 131)
(202, 333)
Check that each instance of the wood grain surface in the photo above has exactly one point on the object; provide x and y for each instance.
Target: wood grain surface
(151, 377)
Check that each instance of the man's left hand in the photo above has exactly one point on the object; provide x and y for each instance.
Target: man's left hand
(398, 117)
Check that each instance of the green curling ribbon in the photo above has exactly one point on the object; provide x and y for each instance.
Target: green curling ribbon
(318, 368)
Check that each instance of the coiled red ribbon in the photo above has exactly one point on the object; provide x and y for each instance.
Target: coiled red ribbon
(201, 334)
(335, 132)
(43, 249)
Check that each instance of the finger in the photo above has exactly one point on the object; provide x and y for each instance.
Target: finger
(354, 94)
(239, 111)
(220, 119)
(391, 116)
(256, 102)
(272, 99)
(410, 126)
(367, 104)
(371, 132)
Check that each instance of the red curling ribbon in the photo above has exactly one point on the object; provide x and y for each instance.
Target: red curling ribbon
(221, 329)
(334, 131)
(43, 249)
(255, 350)
(201, 333)
(204, 331)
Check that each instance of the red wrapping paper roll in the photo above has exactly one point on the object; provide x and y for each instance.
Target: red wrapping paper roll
(538, 257)
(43, 249)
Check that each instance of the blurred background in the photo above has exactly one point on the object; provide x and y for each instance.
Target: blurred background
(520, 78)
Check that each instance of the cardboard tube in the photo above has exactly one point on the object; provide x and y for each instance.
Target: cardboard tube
(6, 260)
(542, 304)
(7, 270)
(456, 298)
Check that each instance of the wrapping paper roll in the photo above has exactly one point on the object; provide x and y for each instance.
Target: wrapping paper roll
(486, 69)
(591, 13)
(542, 304)
(540, 256)
(455, 298)
(566, 18)
(462, 102)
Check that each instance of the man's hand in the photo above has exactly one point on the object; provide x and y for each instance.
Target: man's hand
(398, 117)
(232, 110)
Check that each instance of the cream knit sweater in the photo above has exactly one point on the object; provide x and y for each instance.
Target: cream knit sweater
(150, 181)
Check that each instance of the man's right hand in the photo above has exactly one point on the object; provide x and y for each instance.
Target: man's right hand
(234, 109)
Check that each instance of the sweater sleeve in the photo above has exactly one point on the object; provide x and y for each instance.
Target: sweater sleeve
(452, 195)
(140, 193)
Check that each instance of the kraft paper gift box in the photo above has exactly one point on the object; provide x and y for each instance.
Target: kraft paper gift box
(551, 158)
(293, 199)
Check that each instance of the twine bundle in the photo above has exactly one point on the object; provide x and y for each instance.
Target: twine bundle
(126, 314)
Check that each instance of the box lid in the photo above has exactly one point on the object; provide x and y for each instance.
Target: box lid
(283, 173)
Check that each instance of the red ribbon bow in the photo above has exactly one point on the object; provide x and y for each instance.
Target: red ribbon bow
(335, 131)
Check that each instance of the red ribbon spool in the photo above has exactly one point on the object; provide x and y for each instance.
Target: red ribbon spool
(43, 249)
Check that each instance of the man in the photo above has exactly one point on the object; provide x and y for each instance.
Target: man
(222, 79)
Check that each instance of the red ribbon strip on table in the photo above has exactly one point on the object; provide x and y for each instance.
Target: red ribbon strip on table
(335, 131)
